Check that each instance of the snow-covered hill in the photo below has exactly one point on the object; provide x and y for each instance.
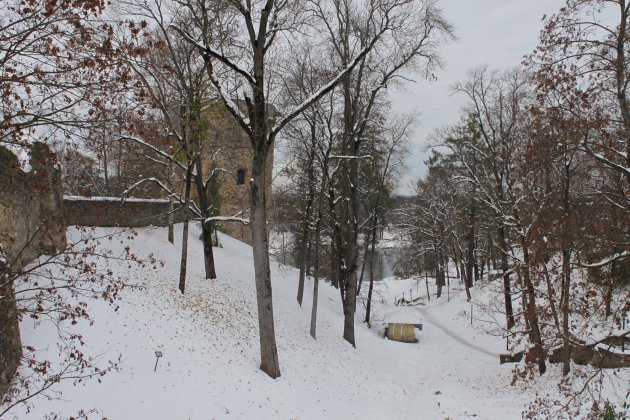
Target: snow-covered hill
(209, 342)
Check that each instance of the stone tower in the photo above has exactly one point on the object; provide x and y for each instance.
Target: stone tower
(229, 153)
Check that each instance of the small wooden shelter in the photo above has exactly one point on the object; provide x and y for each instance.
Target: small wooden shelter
(401, 324)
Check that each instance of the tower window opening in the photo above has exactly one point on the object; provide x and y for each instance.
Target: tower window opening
(240, 177)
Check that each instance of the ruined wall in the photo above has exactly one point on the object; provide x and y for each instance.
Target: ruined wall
(112, 212)
(10, 344)
(31, 224)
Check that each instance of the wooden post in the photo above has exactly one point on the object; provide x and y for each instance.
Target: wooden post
(471, 311)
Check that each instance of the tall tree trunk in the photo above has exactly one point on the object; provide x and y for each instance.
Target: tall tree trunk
(457, 260)
(531, 311)
(305, 245)
(621, 71)
(426, 276)
(471, 249)
(507, 290)
(566, 275)
(171, 233)
(105, 166)
(439, 279)
(184, 259)
(371, 287)
(565, 301)
(492, 258)
(309, 256)
(206, 227)
(350, 307)
(335, 264)
(364, 262)
(315, 290)
(304, 254)
(318, 243)
(551, 298)
(260, 246)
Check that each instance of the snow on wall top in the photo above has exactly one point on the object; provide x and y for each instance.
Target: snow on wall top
(115, 199)
(402, 315)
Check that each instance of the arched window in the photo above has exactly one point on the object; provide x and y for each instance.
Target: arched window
(240, 177)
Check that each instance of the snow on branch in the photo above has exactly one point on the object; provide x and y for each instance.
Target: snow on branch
(114, 199)
(155, 149)
(351, 157)
(607, 260)
(619, 168)
(238, 217)
(160, 184)
(244, 221)
(229, 103)
(324, 89)
(207, 51)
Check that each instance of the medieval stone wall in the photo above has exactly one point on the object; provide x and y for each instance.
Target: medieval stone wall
(31, 224)
(112, 212)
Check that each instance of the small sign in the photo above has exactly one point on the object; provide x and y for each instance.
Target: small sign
(419, 327)
(158, 354)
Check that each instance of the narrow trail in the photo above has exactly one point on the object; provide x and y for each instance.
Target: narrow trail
(429, 318)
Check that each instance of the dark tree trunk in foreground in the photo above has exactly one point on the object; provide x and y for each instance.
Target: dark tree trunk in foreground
(206, 227)
(171, 233)
(565, 293)
(306, 243)
(507, 290)
(531, 312)
(318, 243)
(371, 287)
(262, 27)
(184, 260)
(268, 351)
(565, 302)
(471, 250)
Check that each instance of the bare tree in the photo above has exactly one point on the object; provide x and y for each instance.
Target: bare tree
(584, 55)
(173, 79)
(238, 69)
(388, 161)
(417, 29)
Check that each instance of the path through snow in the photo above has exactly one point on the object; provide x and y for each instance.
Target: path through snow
(431, 320)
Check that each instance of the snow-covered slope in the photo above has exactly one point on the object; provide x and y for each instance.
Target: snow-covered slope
(209, 341)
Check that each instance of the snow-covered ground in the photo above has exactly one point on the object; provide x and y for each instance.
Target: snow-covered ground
(209, 341)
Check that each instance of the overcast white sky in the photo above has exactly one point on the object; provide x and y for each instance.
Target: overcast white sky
(496, 33)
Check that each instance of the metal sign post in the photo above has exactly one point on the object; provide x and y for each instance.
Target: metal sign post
(158, 354)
